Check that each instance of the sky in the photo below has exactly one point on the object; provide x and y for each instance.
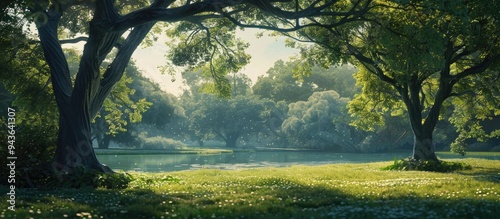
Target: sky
(265, 51)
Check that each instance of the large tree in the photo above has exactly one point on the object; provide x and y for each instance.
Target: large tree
(210, 116)
(421, 56)
(204, 25)
(321, 122)
(25, 86)
(228, 119)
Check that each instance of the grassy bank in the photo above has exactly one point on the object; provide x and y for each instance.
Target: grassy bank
(328, 191)
(488, 154)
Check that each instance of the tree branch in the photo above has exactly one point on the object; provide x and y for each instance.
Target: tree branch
(65, 41)
(115, 71)
(478, 68)
(469, 92)
(187, 11)
(154, 13)
(369, 63)
(74, 40)
(56, 60)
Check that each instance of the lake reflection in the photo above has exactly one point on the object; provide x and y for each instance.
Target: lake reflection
(237, 160)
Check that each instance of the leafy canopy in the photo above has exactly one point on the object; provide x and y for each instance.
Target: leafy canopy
(418, 58)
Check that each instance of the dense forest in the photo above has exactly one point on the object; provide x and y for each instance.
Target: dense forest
(278, 110)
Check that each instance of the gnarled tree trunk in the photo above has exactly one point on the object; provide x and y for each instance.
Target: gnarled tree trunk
(80, 103)
(74, 146)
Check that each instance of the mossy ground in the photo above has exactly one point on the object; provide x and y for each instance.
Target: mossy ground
(328, 191)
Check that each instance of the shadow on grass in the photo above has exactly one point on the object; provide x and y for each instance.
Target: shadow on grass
(489, 174)
(269, 197)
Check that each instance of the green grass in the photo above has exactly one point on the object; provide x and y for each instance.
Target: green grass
(328, 191)
(471, 153)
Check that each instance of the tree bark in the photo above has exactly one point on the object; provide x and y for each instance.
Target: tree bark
(423, 146)
(74, 147)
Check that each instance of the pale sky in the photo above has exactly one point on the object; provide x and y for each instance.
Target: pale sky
(265, 51)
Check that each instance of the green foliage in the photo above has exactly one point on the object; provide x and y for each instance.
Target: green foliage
(427, 165)
(209, 116)
(472, 113)
(26, 78)
(164, 108)
(157, 142)
(34, 147)
(212, 48)
(419, 59)
(280, 84)
(44, 177)
(120, 108)
(84, 178)
(320, 122)
(26, 88)
(228, 119)
(142, 181)
(376, 100)
(113, 180)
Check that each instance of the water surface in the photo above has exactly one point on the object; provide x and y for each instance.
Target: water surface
(239, 160)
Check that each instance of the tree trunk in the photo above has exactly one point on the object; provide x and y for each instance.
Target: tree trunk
(104, 141)
(78, 104)
(423, 147)
(231, 139)
(74, 147)
(104, 144)
(99, 129)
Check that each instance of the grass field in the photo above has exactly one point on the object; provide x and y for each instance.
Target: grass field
(328, 191)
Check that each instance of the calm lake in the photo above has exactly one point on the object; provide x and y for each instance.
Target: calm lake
(240, 160)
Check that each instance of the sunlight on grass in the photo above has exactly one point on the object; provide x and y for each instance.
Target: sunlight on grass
(328, 191)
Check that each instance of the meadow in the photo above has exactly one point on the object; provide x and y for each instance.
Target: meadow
(326, 191)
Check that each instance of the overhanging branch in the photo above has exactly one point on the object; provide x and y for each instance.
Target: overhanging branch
(65, 41)
(478, 68)
(187, 11)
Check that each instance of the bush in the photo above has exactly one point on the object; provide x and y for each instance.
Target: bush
(44, 177)
(158, 142)
(427, 165)
(34, 146)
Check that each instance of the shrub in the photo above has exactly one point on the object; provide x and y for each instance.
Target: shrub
(34, 146)
(158, 142)
(427, 165)
(44, 177)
